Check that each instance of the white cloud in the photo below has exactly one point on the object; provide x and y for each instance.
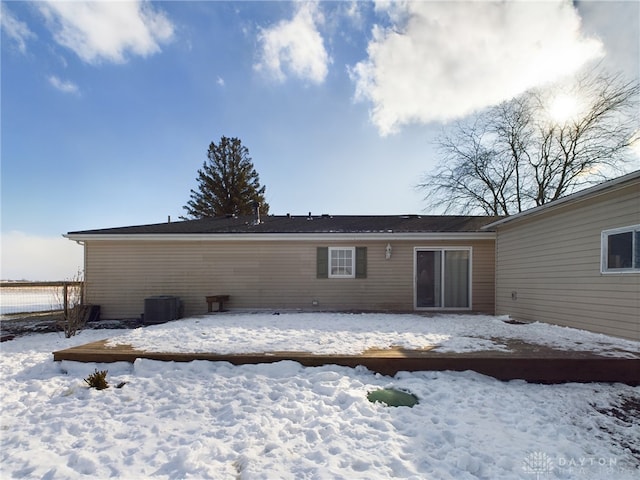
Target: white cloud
(220, 81)
(63, 86)
(16, 30)
(445, 60)
(295, 46)
(353, 11)
(32, 257)
(107, 30)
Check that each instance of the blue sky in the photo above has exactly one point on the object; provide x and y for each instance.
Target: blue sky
(108, 108)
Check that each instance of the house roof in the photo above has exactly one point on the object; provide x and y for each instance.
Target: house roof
(289, 224)
(604, 187)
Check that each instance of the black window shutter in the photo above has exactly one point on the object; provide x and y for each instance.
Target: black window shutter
(361, 262)
(322, 262)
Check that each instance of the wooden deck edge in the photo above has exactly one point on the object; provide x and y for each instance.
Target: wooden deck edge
(534, 370)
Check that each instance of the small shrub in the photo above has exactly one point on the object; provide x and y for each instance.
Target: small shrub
(74, 313)
(97, 380)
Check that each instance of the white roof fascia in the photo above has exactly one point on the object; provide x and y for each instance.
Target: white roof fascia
(574, 197)
(279, 237)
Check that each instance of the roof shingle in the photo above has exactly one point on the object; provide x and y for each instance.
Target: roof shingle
(308, 224)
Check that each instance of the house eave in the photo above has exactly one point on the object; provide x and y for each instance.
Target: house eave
(281, 237)
(585, 194)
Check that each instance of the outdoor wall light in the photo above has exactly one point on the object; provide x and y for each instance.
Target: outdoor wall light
(387, 251)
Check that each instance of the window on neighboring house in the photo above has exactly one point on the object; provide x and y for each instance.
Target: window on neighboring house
(342, 262)
(621, 250)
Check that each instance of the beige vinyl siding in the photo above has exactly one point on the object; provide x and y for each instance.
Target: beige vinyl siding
(552, 263)
(483, 277)
(261, 275)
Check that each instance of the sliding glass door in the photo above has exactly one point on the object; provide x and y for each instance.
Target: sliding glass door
(428, 279)
(443, 278)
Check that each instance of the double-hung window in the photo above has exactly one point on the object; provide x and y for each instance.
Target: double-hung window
(621, 250)
(342, 262)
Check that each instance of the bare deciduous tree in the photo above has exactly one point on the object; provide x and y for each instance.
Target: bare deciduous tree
(74, 313)
(518, 154)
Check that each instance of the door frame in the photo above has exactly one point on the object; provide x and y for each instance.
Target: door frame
(415, 277)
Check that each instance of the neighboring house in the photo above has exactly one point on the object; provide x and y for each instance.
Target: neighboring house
(575, 261)
(387, 263)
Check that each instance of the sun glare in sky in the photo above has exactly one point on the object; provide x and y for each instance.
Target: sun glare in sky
(564, 107)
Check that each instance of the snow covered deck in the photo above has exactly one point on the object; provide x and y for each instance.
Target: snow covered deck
(533, 363)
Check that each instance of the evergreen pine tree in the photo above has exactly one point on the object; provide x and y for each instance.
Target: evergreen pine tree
(228, 183)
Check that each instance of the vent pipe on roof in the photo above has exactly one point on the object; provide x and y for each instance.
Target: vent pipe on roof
(168, 218)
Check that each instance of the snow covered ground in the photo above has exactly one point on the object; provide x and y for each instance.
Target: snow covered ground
(284, 421)
(351, 334)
